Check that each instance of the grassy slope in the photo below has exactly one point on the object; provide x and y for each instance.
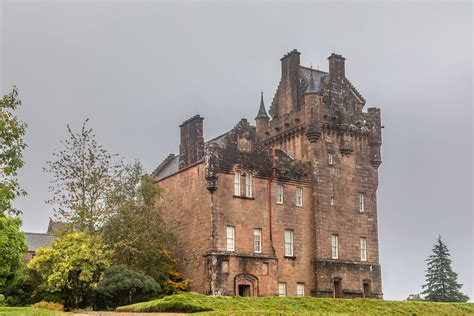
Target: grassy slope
(26, 311)
(193, 302)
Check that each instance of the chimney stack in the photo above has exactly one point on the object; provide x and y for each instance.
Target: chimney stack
(336, 65)
(191, 147)
(290, 64)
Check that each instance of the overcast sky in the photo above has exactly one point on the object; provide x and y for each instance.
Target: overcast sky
(138, 69)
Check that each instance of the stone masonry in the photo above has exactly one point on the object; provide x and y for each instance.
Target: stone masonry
(287, 207)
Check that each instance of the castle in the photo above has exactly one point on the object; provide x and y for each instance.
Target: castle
(287, 207)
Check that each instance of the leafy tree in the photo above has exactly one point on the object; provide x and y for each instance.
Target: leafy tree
(12, 131)
(12, 250)
(83, 173)
(70, 270)
(136, 230)
(441, 281)
(122, 286)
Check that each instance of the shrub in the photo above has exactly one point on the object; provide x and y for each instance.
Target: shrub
(49, 305)
(121, 286)
(176, 284)
(71, 268)
(2, 299)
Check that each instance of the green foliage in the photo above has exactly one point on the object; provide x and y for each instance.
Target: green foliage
(414, 297)
(71, 268)
(12, 131)
(83, 173)
(271, 305)
(176, 283)
(2, 300)
(135, 229)
(441, 281)
(122, 286)
(12, 249)
(19, 292)
(49, 305)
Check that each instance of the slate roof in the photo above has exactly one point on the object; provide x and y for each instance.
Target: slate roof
(37, 240)
(317, 77)
(170, 164)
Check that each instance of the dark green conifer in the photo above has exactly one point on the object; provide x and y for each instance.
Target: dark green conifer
(441, 281)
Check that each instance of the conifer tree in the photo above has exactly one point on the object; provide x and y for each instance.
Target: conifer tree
(441, 281)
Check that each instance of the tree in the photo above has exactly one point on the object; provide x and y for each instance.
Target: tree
(83, 174)
(136, 230)
(122, 286)
(12, 249)
(441, 281)
(71, 268)
(12, 131)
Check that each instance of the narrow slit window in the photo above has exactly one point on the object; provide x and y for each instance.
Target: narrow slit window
(361, 202)
(334, 246)
(230, 238)
(299, 197)
(332, 201)
(248, 184)
(237, 183)
(257, 240)
(363, 249)
(288, 243)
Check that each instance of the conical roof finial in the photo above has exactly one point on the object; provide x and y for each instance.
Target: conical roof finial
(261, 111)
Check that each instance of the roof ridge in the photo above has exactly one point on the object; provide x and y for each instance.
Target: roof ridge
(312, 69)
(163, 163)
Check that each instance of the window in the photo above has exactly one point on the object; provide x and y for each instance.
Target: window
(279, 194)
(330, 159)
(288, 243)
(230, 238)
(332, 200)
(237, 183)
(361, 202)
(334, 246)
(281, 289)
(299, 197)
(248, 184)
(299, 289)
(363, 249)
(257, 240)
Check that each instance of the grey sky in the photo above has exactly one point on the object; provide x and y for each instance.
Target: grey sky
(138, 69)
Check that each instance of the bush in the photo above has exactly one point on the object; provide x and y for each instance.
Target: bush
(49, 305)
(70, 269)
(176, 284)
(121, 286)
(2, 299)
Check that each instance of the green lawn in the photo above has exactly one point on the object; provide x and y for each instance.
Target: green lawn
(228, 305)
(26, 311)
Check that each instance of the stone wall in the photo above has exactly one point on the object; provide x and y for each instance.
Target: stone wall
(186, 206)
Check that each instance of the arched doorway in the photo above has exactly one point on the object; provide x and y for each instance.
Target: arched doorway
(245, 285)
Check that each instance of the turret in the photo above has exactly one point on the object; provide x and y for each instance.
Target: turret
(261, 120)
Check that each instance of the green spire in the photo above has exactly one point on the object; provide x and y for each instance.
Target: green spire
(262, 113)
